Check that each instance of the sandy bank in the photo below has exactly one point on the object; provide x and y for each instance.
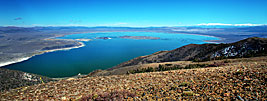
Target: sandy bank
(17, 60)
(14, 61)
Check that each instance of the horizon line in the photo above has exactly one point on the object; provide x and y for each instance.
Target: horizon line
(202, 24)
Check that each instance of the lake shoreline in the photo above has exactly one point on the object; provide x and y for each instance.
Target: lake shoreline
(81, 44)
(18, 60)
(208, 41)
(14, 61)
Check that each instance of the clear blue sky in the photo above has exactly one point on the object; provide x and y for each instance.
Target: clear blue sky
(131, 12)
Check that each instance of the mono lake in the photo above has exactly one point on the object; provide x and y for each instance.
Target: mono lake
(100, 53)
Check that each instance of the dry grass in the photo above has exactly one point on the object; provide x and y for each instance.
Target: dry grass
(239, 79)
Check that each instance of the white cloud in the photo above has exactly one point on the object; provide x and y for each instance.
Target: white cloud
(222, 24)
(248, 24)
(214, 24)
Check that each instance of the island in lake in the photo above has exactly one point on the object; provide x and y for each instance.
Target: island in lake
(85, 40)
(139, 37)
(105, 38)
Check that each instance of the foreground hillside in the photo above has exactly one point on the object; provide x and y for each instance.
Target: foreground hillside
(242, 79)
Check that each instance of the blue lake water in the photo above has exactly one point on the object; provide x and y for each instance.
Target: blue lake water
(103, 54)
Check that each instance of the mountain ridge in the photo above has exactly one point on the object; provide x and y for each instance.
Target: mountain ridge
(193, 52)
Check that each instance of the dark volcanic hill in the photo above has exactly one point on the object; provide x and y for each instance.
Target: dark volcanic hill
(11, 79)
(245, 48)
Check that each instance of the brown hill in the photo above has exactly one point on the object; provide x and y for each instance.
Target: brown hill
(245, 48)
(11, 79)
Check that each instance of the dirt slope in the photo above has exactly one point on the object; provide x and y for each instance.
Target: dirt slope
(242, 79)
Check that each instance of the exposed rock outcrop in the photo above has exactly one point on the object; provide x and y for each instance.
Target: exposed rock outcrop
(10, 79)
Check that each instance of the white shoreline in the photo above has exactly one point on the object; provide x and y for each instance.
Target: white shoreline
(206, 36)
(69, 48)
(42, 52)
(14, 61)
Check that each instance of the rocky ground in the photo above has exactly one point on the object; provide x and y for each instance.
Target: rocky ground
(237, 80)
